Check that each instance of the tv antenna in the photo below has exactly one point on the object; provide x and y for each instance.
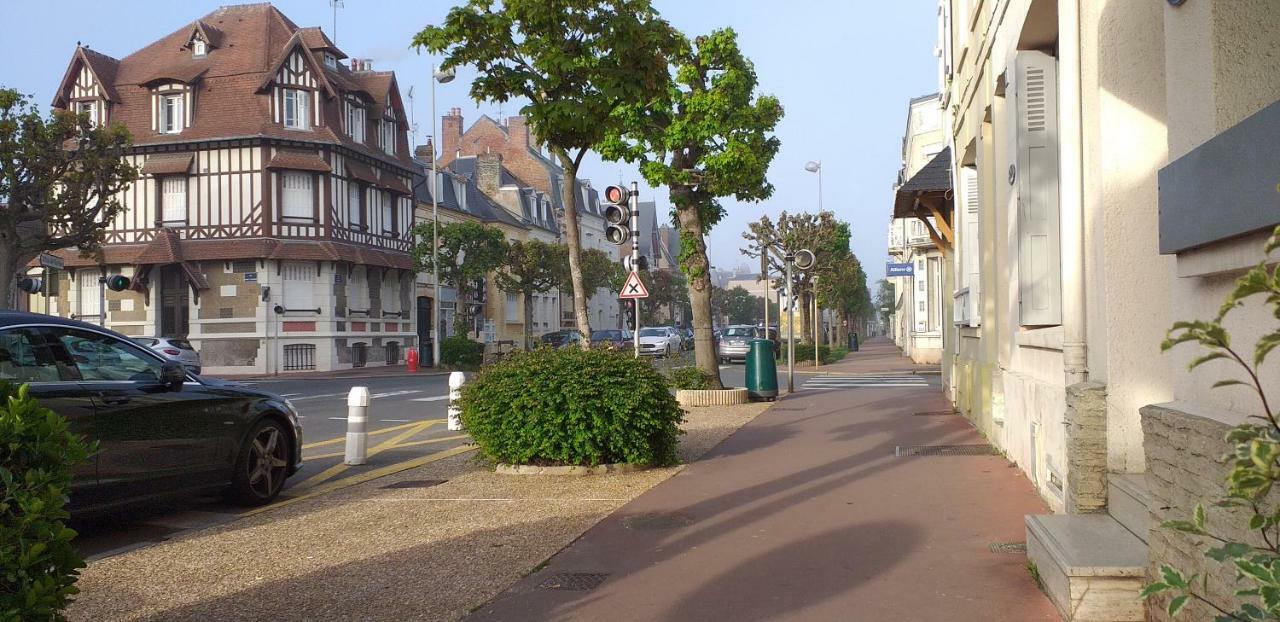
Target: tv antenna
(336, 4)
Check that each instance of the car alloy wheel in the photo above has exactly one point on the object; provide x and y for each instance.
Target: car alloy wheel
(263, 464)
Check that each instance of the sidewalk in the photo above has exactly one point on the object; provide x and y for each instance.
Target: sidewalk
(806, 514)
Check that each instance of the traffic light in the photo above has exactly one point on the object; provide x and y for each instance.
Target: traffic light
(617, 213)
(30, 284)
(641, 264)
(117, 282)
(629, 307)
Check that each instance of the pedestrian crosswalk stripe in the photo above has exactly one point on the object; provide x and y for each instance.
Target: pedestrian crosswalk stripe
(859, 382)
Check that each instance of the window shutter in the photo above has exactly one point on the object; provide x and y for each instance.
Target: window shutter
(87, 284)
(299, 290)
(1039, 255)
(298, 198)
(388, 212)
(174, 199)
(391, 292)
(353, 205)
(972, 245)
(358, 289)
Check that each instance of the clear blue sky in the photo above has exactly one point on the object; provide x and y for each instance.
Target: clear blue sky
(843, 69)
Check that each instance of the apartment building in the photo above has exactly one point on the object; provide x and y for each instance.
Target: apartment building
(271, 222)
(1114, 172)
(919, 313)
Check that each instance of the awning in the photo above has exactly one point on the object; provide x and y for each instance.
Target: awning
(361, 172)
(393, 183)
(167, 164)
(299, 161)
(934, 179)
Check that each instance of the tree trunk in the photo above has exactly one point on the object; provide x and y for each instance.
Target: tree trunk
(10, 265)
(528, 320)
(806, 329)
(697, 267)
(569, 194)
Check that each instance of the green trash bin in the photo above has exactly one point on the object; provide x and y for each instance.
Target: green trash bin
(762, 371)
(853, 342)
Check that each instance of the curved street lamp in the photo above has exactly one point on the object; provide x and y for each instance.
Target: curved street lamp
(816, 167)
(443, 76)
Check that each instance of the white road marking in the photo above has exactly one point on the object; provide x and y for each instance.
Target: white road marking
(337, 418)
(316, 397)
(435, 398)
(289, 394)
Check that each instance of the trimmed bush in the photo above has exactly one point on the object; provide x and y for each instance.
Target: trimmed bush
(804, 352)
(38, 565)
(572, 407)
(690, 378)
(458, 351)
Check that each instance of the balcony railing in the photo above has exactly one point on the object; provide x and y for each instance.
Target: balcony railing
(960, 308)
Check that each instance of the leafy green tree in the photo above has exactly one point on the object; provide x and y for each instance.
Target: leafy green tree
(742, 307)
(844, 290)
(885, 301)
(575, 63)
(468, 251)
(667, 290)
(60, 179)
(710, 138)
(530, 268)
(821, 233)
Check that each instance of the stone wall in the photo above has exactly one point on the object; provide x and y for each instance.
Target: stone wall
(1086, 419)
(1183, 469)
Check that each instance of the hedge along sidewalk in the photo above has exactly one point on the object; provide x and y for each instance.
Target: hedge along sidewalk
(377, 553)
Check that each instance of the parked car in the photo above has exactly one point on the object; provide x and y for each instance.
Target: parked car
(561, 338)
(160, 429)
(612, 338)
(686, 338)
(659, 341)
(735, 341)
(174, 349)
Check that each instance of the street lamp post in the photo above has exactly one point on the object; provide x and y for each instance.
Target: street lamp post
(816, 167)
(443, 77)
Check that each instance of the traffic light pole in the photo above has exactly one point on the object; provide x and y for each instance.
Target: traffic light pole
(634, 204)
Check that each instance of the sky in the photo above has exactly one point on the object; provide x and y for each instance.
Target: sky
(844, 71)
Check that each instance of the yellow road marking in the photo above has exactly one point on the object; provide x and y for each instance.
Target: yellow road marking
(432, 440)
(363, 477)
(334, 470)
(343, 438)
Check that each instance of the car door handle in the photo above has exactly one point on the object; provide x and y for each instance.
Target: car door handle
(115, 401)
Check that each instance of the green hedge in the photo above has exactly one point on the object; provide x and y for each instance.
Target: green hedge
(804, 352)
(38, 565)
(458, 351)
(572, 407)
(690, 377)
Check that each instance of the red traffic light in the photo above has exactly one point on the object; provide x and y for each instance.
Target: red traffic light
(616, 195)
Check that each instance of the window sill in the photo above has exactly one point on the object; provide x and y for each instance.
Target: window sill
(296, 129)
(296, 220)
(1046, 338)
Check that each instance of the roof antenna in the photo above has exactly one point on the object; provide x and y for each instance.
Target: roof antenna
(413, 125)
(336, 4)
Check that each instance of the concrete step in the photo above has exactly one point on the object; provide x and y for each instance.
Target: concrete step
(1128, 501)
(1090, 566)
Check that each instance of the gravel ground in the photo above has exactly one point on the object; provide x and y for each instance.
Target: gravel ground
(373, 553)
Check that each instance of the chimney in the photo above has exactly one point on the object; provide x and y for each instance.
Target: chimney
(488, 172)
(518, 131)
(451, 135)
(424, 152)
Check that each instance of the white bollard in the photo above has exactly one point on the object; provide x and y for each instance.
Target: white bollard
(357, 423)
(455, 393)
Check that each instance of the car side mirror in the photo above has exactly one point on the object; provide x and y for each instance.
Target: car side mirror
(173, 375)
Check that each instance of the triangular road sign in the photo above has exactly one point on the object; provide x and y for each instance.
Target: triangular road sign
(634, 287)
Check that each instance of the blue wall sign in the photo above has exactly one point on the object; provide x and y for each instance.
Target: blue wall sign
(900, 269)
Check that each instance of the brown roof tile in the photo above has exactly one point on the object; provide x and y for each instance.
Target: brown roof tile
(167, 164)
(299, 161)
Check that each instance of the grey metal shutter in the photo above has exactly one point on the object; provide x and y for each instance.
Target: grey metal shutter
(1039, 253)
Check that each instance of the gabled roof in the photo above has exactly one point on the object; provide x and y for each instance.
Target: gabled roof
(317, 67)
(211, 36)
(102, 66)
(315, 39)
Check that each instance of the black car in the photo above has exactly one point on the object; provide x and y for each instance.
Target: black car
(561, 338)
(160, 430)
(611, 338)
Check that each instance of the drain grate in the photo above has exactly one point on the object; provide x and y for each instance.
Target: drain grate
(574, 581)
(656, 521)
(945, 450)
(936, 413)
(416, 483)
(1008, 547)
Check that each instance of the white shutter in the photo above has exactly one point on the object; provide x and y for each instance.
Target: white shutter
(512, 307)
(173, 199)
(298, 197)
(972, 244)
(87, 290)
(299, 288)
(391, 291)
(358, 289)
(388, 211)
(1039, 255)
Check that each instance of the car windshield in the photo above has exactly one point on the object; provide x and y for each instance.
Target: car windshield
(145, 341)
(653, 332)
(740, 331)
(606, 334)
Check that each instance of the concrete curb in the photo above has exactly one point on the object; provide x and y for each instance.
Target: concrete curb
(711, 397)
(599, 469)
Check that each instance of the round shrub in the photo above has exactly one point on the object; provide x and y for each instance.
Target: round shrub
(572, 407)
(691, 378)
(38, 565)
(459, 351)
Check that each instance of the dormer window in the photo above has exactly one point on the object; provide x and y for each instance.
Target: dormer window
(297, 109)
(330, 60)
(88, 108)
(199, 48)
(388, 128)
(355, 122)
(171, 115)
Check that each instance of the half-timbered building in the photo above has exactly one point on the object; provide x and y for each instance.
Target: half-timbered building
(271, 223)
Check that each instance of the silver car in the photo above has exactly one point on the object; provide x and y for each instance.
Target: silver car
(174, 349)
(659, 341)
(735, 342)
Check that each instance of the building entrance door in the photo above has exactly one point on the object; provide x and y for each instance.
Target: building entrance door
(424, 331)
(174, 302)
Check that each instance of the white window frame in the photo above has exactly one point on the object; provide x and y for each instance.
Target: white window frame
(297, 196)
(388, 206)
(330, 60)
(512, 307)
(299, 285)
(388, 136)
(88, 293)
(355, 219)
(297, 109)
(91, 107)
(199, 48)
(356, 122)
(173, 200)
(358, 289)
(171, 113)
